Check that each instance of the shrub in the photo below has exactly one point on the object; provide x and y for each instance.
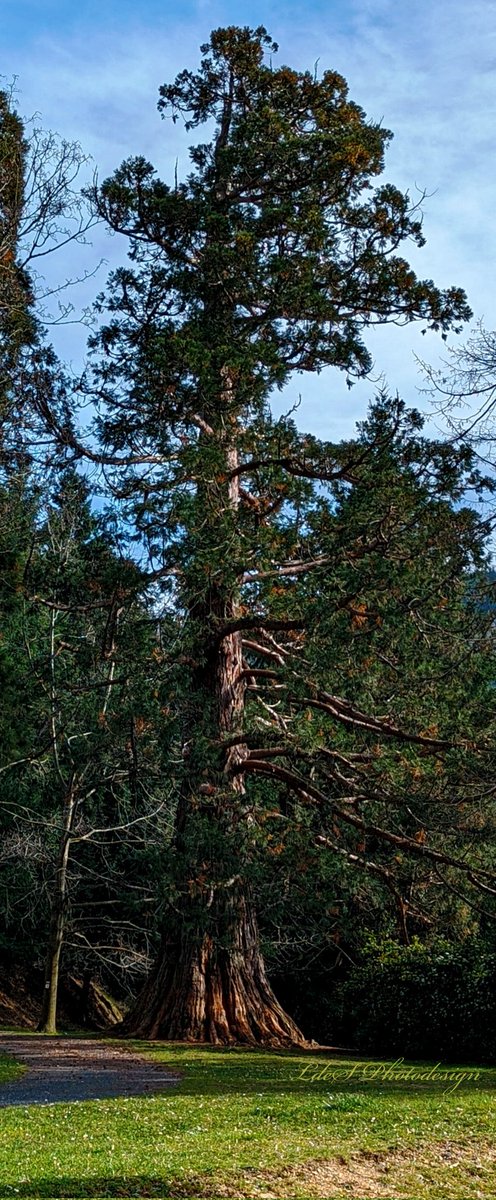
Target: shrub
(433, 1000)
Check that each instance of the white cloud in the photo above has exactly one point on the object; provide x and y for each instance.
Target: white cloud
(425, 70)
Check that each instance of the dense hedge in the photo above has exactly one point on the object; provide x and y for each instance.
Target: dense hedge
(427, 1000)
(433, 1001)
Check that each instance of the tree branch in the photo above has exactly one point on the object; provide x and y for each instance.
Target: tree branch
(308, 789)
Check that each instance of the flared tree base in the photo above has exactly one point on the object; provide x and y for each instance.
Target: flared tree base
(214, 995)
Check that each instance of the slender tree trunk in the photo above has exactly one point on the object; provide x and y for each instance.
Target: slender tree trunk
(48, 1018)
(209, 983)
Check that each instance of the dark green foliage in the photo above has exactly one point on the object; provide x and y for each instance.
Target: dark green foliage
(17, 326)
(274, 255)
(18, 504)
(79, 717)
(433, 1001)
(387, 686)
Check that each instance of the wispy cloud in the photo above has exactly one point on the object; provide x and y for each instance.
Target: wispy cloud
(426, 71)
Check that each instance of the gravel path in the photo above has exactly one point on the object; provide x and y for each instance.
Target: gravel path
(68, 1069)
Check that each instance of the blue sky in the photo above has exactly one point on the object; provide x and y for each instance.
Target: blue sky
(427, 70)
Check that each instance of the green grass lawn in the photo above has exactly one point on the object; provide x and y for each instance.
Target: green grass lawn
(9, 1069)
(250, 1124)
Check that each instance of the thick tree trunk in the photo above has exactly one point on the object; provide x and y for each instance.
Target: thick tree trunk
(212, 993)
(209, 984)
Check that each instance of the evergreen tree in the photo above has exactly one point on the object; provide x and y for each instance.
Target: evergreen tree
(274, 256)
(79, 771)
(16, 294)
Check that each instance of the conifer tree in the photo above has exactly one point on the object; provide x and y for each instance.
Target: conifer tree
(273, 256)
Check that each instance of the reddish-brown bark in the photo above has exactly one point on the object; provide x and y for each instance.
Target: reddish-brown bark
(209, 983)
(213, 993)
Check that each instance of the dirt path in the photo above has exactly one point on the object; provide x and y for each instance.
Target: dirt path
(68, 1069)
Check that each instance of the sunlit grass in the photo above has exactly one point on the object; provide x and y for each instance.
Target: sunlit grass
(239, 1119)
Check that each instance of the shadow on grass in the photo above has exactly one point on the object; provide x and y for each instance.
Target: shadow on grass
(135, 1188)
(215, 1071)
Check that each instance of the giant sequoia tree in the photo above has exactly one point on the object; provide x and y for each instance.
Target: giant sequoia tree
(274, 256)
